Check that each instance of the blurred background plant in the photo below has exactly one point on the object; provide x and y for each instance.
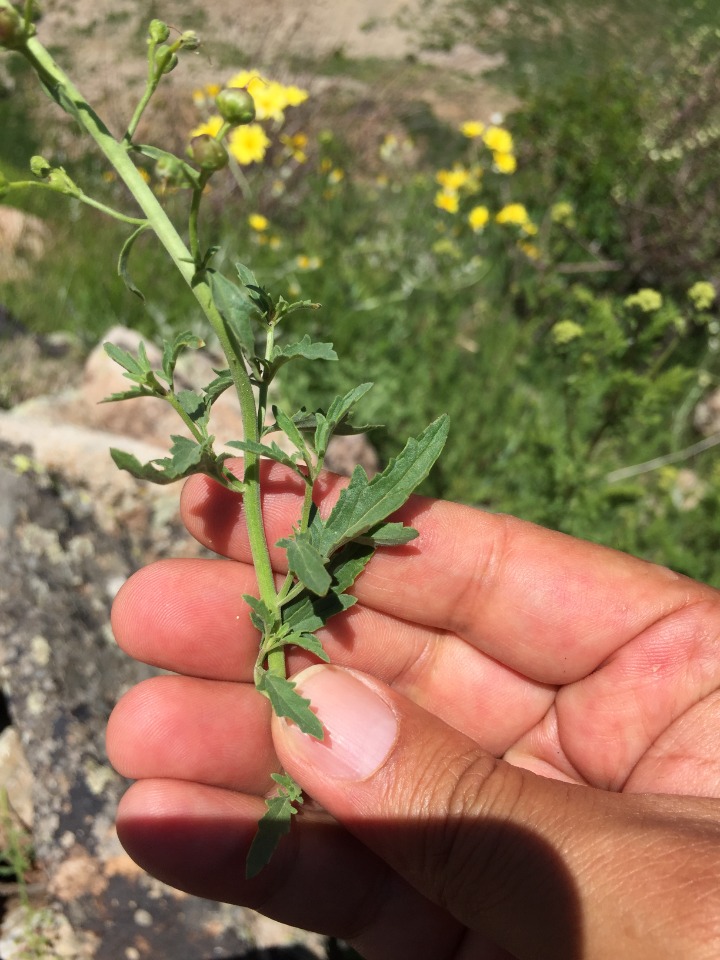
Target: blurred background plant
(546, 273)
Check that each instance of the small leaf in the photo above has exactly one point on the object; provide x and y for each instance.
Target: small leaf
(122, 267)
(237, 310)
(291, 431)
(126, 360)
(129, 395)
(247, 277)
(274, 824)
(143, 471)
(261, 615)
(365, 503)
(184, 455)
(219, 385)
(173, 348)
(308, 641)
(286, 702)
(195, 406)
(305, 349)
(273, 452)
(336, 416)
(389, 535)
(306, 562)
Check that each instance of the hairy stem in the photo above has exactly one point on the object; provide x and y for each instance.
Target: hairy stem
(64, 92)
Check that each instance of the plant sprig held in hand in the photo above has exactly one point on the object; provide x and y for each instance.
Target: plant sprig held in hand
(324, 556)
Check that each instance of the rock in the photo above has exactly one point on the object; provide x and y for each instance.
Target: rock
(23, 239)
(706, 417)
(61, 673)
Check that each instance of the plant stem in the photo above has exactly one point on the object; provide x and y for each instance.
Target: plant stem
(70, 99)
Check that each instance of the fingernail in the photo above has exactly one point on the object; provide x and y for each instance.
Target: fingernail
(360, 728)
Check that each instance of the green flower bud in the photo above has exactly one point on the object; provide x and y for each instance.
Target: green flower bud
(207, 153)
(189, 40)
(235, 105)
(165, 59)
(40, 167)
(12, 29)
(158, 31)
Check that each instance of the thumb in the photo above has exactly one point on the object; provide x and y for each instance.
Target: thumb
(544, 868)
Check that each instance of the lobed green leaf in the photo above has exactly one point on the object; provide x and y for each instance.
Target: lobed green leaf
(274, 824)
(306, 563)
(286, 702)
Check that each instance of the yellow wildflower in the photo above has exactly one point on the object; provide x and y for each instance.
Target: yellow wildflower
(270, 101)
(274, 242)
(211, 127)
(305, 262)
(453, 179)
(295, 145)
(504, 162)
(702, 294)
(295, 95)
(250, 80)
(565, 331)
(472, 129)
(647, 300)
(562, 212)
(513, 213)
(498, 139)
(336, 175)
(478, 217)
(447, 200)
(531, 250)
(258, 222)
(248, 144)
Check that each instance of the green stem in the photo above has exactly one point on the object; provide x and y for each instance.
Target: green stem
(70, 99)
(82, 197)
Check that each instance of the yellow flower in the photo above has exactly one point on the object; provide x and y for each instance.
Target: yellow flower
(647, 300)
(248, 144)
(336, 175)
(562, 212)
(305, 262)
(531, 251)
(513, 213)
(702, 294)
(478, 217)
(504, 162)
(446, 200)
(274, 242)
(250, 80)
(498, 139)
(270, 101)
(258, 222)
(295, 96)
(295, 145)
(565, 331)
(453, 179)
(472, 129)
(211, 127)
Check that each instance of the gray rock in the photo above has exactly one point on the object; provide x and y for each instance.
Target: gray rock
(61, 674)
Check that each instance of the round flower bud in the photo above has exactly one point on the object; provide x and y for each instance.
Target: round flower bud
(12, 30)
(40, 167)
(158, 31)
(235, 105)
(190, 40)
(168, 63)
(207, 153)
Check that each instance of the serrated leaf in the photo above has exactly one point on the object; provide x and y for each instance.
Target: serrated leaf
(247, 277)
(219, 385)
(237, 310)
(260, 614)
(185, 454)
(291, 431)
(129, 395)
(122, 267)
(364, 503)
(272, 451)
(286, 702)
(126, 360)
(306, 563)
(336, 416)
(307, 641)
(142, 471)
(306, 349)
(173, 348)
(274, 824)
(389, 535)
(195, 406)
(307, 613)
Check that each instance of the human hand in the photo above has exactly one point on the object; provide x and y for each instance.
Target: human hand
(521, 756)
